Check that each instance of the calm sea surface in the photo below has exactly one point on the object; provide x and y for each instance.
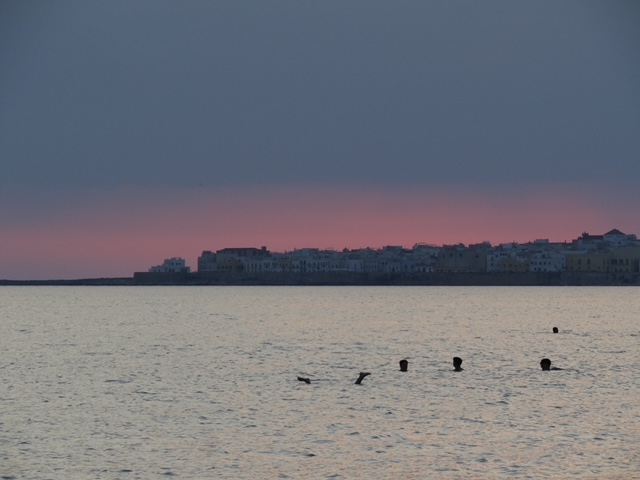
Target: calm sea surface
(201, 382)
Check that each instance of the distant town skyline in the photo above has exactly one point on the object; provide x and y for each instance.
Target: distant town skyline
(612, 252)
(131, 132)
(130, 262)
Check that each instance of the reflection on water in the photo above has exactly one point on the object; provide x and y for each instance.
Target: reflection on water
(201, 382)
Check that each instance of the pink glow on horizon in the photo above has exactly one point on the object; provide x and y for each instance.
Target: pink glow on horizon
(114, 235)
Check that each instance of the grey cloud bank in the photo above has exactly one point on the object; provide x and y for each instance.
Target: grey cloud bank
(104, 94)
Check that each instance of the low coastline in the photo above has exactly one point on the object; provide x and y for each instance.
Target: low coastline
(349, 279)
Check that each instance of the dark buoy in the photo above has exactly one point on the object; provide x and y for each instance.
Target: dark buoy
(404, 364)
(303, 379)
(555, 329)
(362, 375)
(545, 364)
(457, 361)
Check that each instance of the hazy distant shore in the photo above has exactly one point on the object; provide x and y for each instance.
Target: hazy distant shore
(79, 282)
(350, 279)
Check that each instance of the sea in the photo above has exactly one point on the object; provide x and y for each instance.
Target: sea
(202, 382)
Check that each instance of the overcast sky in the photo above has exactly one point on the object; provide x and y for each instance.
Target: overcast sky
(135, 131)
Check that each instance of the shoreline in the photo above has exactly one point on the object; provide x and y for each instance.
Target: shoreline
(348, 279)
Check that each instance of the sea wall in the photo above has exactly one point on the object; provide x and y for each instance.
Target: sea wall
(390, 279)
(352, 278)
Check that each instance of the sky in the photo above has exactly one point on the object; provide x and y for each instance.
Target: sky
(131, 132)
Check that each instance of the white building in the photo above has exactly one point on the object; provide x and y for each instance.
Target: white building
(617, 238)
(260, 264)
(497, 257)
(171, 265)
